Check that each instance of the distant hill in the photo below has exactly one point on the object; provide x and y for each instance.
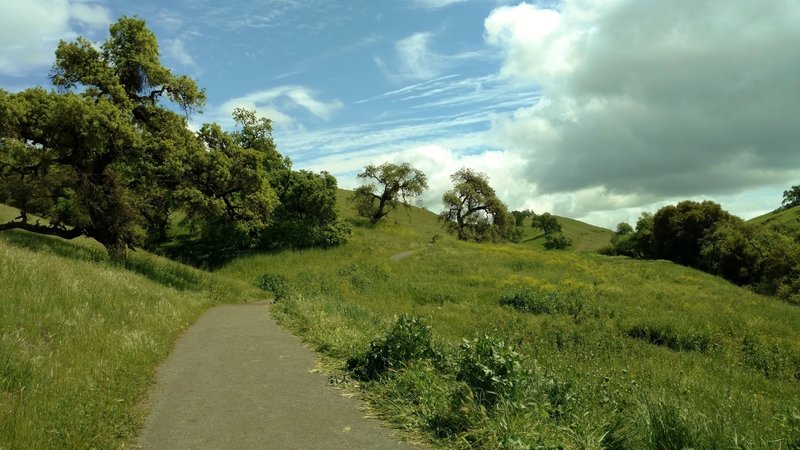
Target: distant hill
(585, 237)
(791, 216)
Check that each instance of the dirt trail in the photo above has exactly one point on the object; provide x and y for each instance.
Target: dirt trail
(236, 380)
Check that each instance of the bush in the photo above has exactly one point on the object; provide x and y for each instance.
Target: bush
(275, 283)
(407, 341)
(492, 369)
(557, 241)
(668, 336)
(541, 301)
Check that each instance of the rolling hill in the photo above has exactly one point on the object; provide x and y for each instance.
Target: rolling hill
(789, 216)
(589, 351)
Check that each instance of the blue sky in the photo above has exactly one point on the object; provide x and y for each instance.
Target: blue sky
(591, 109)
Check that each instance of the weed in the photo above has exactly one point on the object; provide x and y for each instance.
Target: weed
(492, 369)
(408, 340)
(544, 301)
(275, 283)
(669, 336)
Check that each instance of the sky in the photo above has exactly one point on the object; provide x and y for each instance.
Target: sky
(591, 109)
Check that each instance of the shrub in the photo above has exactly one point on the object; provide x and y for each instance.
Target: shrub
(275, 283)
(492, 369)
(671, 428)
(408, 340)
(543, 301)
(668, 336)
(557, 241)
(773, 359)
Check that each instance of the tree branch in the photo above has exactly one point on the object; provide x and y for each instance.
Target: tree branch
(42, 229)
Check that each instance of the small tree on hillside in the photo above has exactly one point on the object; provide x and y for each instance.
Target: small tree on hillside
(519, 216)
(472, 209)
(547, 223)
(397, 184)
(791, 197)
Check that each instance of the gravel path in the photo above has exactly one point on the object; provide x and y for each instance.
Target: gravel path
(236, 380)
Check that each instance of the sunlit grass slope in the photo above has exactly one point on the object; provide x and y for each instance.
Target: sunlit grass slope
(80, 337)
(616, 347)
(789, 216)
(585, 237)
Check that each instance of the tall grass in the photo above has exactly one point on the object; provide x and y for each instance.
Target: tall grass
(619, 353)
(80, 337)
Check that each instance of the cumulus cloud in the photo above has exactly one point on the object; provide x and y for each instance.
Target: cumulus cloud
(276, 105)
(30, 30)
(651, 100)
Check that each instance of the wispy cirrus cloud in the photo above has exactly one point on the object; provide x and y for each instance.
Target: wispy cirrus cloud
(435, 3)
(280, 104)
(414, 59)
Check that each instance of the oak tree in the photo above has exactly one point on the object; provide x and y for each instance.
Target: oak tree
(386, 187)
(473, 211)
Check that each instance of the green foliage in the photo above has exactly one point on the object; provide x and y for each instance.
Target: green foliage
(472, 210)
(491, 368)
(86, 150)
(400, 183)
(407, 341)
(547, 223)
(557, 241)
(760, 254)
(108, 157)
(623, 242)
(544, 301)
(520, 216)
(307, 215)
(791, 197)
(275, 283)
(671, 336)
(679, 230)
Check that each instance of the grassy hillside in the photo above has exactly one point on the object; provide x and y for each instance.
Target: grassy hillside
(616, 353)
(80, 337)
(789, 216)
(585, 237)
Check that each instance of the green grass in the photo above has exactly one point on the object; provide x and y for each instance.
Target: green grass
(617, 353)
(80, 337)
(788, 216)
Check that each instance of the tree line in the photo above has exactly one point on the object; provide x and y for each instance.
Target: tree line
(704, 236)
(472, 210)
(107, 154)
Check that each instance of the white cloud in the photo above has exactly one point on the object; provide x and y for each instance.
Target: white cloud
(276, 104)
(415, 59)
(176, 49)
(648, 101)
(435, 3)
(30, 30)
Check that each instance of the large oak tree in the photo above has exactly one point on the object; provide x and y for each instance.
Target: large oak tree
(108, 155)
(473, 211)
(385, 187)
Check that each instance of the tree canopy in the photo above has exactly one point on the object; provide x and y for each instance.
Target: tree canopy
(547, 223)
(791, 197)
(108, 154)
(472, 209)
(386, 186)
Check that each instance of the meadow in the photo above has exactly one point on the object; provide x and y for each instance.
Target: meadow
(463, 345)
(587, 351)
